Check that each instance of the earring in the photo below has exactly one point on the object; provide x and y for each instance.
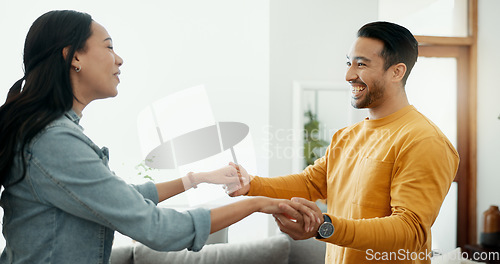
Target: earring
(78, 69)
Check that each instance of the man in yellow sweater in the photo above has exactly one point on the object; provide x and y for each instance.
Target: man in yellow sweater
(385, 178)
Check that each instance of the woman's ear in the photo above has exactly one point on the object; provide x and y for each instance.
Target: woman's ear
(75, 62)
(398, 71)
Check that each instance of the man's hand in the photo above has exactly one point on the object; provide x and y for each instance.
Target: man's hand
(297, 229)
(244, 182)
(296, 212)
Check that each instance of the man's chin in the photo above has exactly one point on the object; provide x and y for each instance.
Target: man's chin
(358, 104)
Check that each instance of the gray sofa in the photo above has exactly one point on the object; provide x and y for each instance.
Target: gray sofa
(278, 249)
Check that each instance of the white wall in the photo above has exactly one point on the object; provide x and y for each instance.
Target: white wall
(309, 42)
(488, 109)
(167, 46)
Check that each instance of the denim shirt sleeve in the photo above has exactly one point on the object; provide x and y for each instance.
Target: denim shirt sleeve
(75, 178)
(148, 191)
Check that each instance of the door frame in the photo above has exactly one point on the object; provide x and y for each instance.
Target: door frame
(466, 143)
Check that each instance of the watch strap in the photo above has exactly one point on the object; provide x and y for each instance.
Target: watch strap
(327, 218)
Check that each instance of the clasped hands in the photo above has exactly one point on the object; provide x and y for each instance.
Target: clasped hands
(297, 217)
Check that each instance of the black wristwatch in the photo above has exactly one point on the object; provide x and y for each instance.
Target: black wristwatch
(326, 229)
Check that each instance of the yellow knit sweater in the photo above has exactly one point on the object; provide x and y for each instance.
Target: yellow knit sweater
(384, 182)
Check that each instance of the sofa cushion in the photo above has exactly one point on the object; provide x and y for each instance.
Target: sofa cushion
(270, 250)
(122, 255)
(310, 251)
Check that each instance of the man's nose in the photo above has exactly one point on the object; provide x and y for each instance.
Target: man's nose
(350, 74)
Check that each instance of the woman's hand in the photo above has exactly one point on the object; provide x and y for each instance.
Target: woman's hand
(297, 215)
(225, 175)
(302, 216)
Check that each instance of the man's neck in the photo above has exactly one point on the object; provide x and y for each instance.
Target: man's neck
(389, 106)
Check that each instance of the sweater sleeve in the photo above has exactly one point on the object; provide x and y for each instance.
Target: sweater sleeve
(309, 184)
(423, 175)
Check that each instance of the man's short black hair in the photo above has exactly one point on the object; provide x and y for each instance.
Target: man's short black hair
(399, 44)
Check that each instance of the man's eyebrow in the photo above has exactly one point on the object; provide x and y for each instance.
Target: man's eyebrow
(358, 58)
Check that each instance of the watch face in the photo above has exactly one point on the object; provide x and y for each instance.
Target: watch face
(326, 230)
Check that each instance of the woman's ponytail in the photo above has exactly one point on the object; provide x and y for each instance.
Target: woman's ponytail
(15, 90)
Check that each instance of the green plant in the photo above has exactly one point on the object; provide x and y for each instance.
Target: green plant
(145, 170)
(312, 143)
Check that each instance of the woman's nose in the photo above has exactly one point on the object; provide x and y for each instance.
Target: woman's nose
(119, 60)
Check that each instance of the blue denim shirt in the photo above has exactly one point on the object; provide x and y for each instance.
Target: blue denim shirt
(69, 204)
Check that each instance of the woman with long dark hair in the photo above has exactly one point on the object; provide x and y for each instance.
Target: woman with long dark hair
(61, 202)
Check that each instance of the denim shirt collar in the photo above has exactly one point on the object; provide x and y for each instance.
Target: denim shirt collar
(71, 115)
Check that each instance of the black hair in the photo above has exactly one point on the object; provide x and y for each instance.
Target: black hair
(47, 92)
(400, 46)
